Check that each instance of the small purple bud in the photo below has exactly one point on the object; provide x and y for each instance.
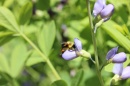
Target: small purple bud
(78, 44)
(117, 69)
(69, 54)
(119, 58)
(107, 12)
(111, 53)
(98, 7)
(126, 73)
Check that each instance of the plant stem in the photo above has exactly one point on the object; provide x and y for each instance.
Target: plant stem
(42, 55)
(94, 43)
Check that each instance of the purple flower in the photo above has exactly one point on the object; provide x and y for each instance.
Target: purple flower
(117, 69)
(123, 73)
(113, 57)
(73, 53)
(78, 44)
(119, 58)
(98, 7)
(69, 54)
(107, 12)
(111, 53)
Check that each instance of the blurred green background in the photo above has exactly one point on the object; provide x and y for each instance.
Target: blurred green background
(48, 23)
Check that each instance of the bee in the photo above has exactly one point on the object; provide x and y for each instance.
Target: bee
(67, 46)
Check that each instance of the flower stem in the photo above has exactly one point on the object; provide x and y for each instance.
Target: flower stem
(42, 55)
(94, 43)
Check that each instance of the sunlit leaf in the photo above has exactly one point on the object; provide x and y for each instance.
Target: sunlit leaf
(7, 19)
(35, 58)
(8, 3)
(18, 58)
(7, 33)
(25, 13)
(109, 67)
(46, 37)
(4, 65)
(116, 35)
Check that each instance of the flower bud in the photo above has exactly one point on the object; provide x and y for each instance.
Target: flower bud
(107, 12)
(119, 58)
(111, 53)
(85, 54)
(126, 73)
(98, 7)
(69, 54)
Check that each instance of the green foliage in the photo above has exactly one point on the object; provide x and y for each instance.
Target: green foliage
(59, 83)
(19, 56)
(46, 5)
(77, 79)
(117, 36)
(46, 37)
(3, 81)
(4, 65)
(9, 23)
(34, 58)
(31, 34)
(25, 13)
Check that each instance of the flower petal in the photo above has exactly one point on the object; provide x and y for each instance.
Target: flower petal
(78, 44)
(111, 53)
(119, 58)
(107, 11)
(118, 68)
(69, 54)
(126, 73)
(98, 7)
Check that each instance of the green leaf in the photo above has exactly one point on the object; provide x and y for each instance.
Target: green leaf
(5, 39)
(4, 66)
(1, 2)
(5, 33)
(116, 35)
(8, 3)
(40, 5)
(25, 13)
(59, 83)
(66, 76)
(46, 37)
(109, 67)
(77, 79)
(34, 59)
(7, 19)
(18, 58)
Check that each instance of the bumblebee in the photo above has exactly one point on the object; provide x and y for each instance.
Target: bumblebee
(67, 46)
